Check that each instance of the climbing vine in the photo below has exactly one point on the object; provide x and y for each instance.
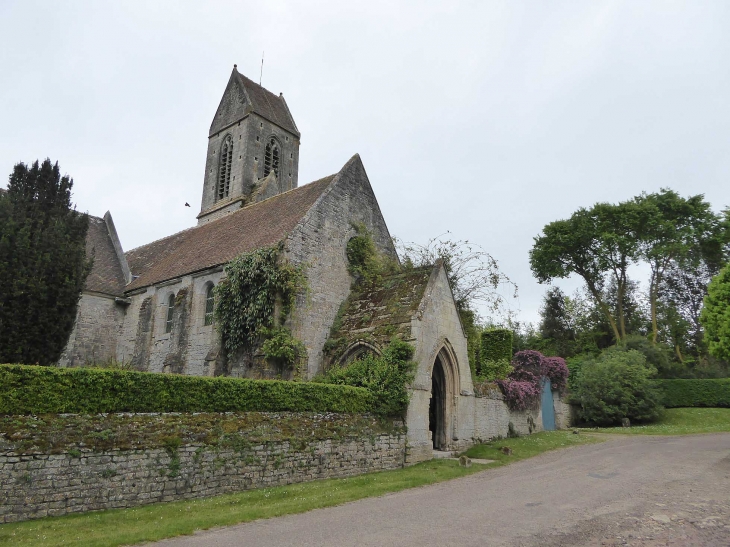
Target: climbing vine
(281, 348)
(256, 283)
(365, 262)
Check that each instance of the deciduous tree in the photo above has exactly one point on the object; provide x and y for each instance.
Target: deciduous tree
(716, 315)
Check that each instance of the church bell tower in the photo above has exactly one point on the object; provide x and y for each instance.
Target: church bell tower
(253, 149)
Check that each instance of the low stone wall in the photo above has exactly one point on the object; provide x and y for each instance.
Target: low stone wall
(42, 484)
(481, 418)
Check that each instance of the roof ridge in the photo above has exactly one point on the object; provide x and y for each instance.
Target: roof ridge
(251, 205)
(162, 239)
(247, 208)
(249, 80)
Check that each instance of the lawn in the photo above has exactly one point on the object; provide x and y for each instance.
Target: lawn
(679, 421)
(163, 520)
(528, 446)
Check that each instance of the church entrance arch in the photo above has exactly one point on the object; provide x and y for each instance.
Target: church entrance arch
(440, 410)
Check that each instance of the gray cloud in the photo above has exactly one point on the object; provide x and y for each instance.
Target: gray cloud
(486, 119)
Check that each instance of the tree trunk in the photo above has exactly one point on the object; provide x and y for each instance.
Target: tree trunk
(653, 283)
(621, 285)
(605, 309)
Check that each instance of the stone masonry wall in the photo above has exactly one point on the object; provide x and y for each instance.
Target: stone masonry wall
(39, 484)
(492, 417)
(189, 347)
(249, 136)
(435, 328)
(95, 333)
(319, 242)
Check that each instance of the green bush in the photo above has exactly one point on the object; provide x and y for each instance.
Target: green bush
(689, 393)
(282, 348)
(614, 386)
(494, 370)
(496, 345)
(660, 356)
(575, 364)
(715, 315)
(386, 376)
(50, 390)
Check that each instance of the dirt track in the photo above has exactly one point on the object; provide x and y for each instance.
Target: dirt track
(643, 491)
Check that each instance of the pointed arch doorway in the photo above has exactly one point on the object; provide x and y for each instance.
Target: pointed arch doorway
(444, 380)
(437, 406)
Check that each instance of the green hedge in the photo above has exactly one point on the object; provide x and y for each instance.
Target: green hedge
(689, 393)
(496, 345)
(49, 390)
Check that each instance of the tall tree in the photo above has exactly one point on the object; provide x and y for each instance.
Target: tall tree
(599, 244)
(579, 245)
(672, 229)
(43, 264)
(618, 229)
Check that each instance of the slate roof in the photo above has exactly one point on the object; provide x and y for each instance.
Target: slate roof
(258, 225)
(270, 106)
(106, 274)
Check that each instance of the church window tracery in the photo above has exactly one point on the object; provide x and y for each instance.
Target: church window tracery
(271, 157)
(224, 169)
(170, 311)
(209, 306)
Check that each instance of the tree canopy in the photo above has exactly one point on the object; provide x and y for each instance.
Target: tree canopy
(43, 264)
(716, 315)
(662, 230)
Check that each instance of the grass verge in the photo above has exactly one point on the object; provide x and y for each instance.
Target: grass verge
(164, 520)
(528, 446)
(679, 421)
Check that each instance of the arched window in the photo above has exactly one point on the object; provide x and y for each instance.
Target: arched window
(209, 306)
(271, 157)
(170, 310)
(358, 350)
(224, 168)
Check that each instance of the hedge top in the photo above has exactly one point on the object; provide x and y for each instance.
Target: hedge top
(27, 389)
(695, 392)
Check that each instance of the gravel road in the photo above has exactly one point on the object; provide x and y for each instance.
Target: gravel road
(640, 490)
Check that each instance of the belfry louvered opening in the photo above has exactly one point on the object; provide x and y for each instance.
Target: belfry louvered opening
(271, 157)
(225, 162)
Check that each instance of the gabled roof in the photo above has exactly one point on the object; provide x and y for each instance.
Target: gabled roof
(107, 275)
(213, 244)
(260, 101)
(376, 312)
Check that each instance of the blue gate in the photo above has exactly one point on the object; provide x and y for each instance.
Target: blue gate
(548, 410)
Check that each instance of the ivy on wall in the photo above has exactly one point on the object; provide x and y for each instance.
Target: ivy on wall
(246, 304)
(365, 262)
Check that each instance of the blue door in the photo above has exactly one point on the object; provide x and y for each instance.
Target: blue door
(548, 410)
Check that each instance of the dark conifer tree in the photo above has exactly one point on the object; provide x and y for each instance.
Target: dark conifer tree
(43, 264)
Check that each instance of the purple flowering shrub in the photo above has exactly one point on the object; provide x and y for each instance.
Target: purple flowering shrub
(527, 366)
(520, 395)
(556, 369)
(523, 386)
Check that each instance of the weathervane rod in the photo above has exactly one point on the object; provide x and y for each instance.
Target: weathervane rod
(261, 75)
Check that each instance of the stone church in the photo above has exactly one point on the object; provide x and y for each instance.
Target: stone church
(152, 306)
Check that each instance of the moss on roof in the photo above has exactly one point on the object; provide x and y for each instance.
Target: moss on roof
(376, 312)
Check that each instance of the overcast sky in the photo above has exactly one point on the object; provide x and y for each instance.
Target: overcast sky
(485, 119)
